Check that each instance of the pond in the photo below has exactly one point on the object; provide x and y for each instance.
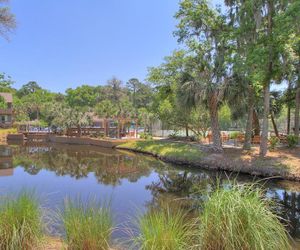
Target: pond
(133, 183)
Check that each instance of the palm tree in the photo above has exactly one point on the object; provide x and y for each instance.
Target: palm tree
(205, 32)
(198, 88)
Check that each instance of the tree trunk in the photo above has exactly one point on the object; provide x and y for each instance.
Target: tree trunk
(186, 131)
(256, 123)
(214, 119)
(79, 131)
(105, 125)
(297, 109)
(118, 130)
(136, 128)
(288, 119)
(274, 125)
(265, 125)
(248, 133)
(265, 129)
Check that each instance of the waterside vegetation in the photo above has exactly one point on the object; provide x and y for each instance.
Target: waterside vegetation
(21, 224)
(240, 218)
(283, 163)
(235, 216)
(179, 152)
(88, 225)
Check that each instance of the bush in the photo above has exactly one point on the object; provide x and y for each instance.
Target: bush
(164, 229)
(234, 134)
(239, 218)
(146, 136)
(174, 135)
(87, 225)
(292, 141)
(194, 138)
(273, 142)
(20, 222)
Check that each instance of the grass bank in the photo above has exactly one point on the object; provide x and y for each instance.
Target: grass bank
(282, 163)
(166, 150)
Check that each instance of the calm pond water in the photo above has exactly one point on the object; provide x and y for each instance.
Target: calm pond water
(134, 183)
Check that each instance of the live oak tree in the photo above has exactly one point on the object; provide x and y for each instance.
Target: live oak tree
(7, 20)
(290, 20)
(255, 22)
(244, 20)
(5, 83)
(82, 97)
(167, 100)
(28, 89)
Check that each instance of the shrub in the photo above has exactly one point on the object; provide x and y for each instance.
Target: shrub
(274, 140)
(194, 138)
(164, 229)
(239, 218)
(292, 141)
(234, 134)
(173, 135)
(87, 225)
(20, 222)
(146, 136)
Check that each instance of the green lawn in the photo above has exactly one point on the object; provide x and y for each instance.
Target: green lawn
(175, 150)
(5, 131)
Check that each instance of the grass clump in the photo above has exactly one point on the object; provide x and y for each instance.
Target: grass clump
(292, 141)
(20, 222)
(175, 150)
(87, 225)
(165, 230)
(239, 218)
(274, 141)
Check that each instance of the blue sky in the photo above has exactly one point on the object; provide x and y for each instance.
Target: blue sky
(66, 43)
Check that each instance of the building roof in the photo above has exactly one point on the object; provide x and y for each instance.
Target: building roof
(7, 97)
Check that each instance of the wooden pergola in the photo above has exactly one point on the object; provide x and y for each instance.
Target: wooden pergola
(103, 126)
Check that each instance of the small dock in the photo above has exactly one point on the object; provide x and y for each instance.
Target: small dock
(37, 137)
(28, 136)
(75, 140)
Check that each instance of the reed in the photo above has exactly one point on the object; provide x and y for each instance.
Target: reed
(20, 222)
(87, 225)
(241, 218)
(165, 230)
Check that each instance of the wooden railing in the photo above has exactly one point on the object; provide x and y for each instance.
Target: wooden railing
(6, 111)
(85, 131)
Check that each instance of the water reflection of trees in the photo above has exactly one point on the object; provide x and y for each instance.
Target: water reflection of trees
(289, 208)
(187, 189)
(108, 166)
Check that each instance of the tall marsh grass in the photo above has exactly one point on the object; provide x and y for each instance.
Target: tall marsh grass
(20, 222)
(240, 218)
(165, 230)
(87, 225)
